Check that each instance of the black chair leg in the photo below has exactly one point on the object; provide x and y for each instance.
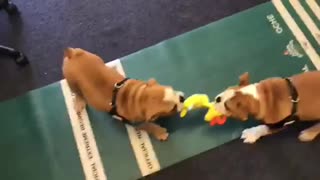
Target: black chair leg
(19, 57)
(9, 7)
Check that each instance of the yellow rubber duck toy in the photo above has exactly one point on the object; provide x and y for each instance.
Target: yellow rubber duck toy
(198, 101)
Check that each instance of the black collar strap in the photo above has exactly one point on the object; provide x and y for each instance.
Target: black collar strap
(113, 103)
(294, 96)
(113, 110)
(294, 99)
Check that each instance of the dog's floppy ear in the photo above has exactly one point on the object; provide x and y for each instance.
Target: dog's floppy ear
(244, 79)
(151, 82)
(73, 52)
(68, 52)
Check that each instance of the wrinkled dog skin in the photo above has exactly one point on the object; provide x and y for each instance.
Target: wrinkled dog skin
(137, 101)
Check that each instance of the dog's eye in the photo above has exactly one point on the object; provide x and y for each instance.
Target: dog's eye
(181, 99)
(218, 99)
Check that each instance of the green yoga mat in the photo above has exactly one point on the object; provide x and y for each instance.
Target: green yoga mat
(43, 138)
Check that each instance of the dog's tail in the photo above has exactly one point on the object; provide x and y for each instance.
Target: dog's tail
(69, 52)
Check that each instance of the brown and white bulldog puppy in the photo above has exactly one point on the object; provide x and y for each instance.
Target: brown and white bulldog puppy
(272, 101)
(104, 89)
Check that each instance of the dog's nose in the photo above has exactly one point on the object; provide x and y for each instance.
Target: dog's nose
(181, 98)
(218, 99)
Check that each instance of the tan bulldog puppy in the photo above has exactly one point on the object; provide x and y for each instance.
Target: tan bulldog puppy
(276, 102)
(137, 102)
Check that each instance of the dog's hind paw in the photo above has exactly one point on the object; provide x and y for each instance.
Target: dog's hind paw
(306, 136)
(79, 104)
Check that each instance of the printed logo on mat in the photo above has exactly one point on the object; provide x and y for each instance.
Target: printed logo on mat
(146, 157)
(293, 49)
(275, 24)
(84, 137)
(305, 68)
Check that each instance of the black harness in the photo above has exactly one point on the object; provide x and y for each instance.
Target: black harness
(113, 103)
(294, 99)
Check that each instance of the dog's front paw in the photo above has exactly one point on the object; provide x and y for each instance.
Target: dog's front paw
(161, 134)
(162, 137)
(251, 135)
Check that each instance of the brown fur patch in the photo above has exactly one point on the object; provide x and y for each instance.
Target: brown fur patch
(241, 106)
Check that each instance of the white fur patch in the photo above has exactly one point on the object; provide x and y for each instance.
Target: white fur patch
(227, 94)
(169, 95)
(251, 135)
(180, 93)
(172, 96)
(250, 90)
